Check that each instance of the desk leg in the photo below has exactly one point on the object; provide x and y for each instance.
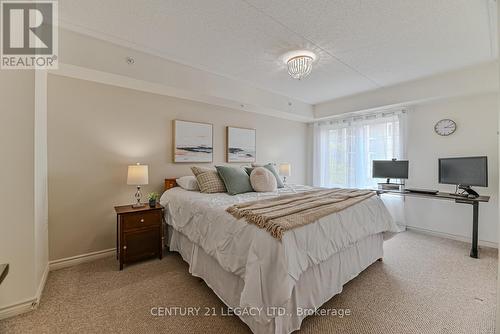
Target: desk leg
(475, 221)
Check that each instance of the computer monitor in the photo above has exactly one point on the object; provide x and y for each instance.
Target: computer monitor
(466, 171)
(390, 169)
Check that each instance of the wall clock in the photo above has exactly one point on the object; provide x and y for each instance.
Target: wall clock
(445, 127)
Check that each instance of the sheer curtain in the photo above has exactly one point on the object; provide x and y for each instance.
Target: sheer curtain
(345, 148)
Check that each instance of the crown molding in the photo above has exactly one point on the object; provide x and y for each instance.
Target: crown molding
(82, 73)
(91, 51)
(472, 80)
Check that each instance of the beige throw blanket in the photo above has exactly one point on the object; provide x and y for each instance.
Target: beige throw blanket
(284, 213)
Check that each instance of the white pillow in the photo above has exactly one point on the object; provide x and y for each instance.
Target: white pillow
(262, 180)
(188, 183)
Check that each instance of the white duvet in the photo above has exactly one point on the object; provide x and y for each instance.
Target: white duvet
(269, 267)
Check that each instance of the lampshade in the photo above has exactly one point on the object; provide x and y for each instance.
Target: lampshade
(137, 175)
(285, 169)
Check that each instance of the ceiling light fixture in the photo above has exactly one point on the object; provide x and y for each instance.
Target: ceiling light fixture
(299, 63)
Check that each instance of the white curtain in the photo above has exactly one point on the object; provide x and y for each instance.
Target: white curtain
(344, 150)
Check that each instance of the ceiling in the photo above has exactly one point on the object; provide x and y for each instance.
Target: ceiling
(361, 44)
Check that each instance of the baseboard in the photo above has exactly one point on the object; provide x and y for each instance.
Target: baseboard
(28, 305)
(17, 309)
(31, 304)
(41, 286)
(82, 258)
(452, 236)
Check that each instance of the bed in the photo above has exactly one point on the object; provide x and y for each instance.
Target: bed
(273, 283)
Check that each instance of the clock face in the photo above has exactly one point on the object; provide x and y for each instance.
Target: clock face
(445, 127)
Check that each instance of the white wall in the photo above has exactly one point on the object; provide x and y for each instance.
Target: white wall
(96, 130)
(41, 182)
(477, 121)
(23, 202)
(17, 180)
(498, 141)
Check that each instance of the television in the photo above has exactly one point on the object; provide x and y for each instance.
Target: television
(390, 169)
(464, 172)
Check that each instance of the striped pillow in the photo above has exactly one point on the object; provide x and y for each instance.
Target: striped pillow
(209, 180)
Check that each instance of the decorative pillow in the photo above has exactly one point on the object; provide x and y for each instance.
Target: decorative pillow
(188, 183)
(263, 180)
(271, 168)
(235, 179)
(249, 170)
(208, 180)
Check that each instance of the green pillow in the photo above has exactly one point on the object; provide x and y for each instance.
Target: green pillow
(236, 179)
(271, 168)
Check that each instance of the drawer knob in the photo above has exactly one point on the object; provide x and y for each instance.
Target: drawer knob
(124, 247)
(142, 220)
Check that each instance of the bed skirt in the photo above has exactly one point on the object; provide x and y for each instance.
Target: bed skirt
(316, 285)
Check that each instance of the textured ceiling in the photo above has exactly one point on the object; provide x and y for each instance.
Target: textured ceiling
(361, 44)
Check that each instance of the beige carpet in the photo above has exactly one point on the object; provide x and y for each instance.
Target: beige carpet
(424, 285)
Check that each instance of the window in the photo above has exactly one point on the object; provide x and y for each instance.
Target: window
(344, 150)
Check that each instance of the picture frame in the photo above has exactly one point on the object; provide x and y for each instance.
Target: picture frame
(192, 142)
(241, 144)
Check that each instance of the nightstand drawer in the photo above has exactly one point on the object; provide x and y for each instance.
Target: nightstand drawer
(141, 219)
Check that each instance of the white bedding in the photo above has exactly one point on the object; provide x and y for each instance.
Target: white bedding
(315, 286)
(270, 268)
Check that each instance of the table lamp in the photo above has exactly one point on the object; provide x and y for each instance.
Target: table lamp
(138, 176)
(285, 170)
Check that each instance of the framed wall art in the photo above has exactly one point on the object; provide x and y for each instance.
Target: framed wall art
(193, 141)
(241, 144)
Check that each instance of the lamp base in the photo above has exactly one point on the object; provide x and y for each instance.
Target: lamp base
(138, 196)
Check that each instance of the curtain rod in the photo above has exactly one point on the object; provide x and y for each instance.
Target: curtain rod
(362, 117)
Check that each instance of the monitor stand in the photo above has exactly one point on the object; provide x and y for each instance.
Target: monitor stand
(470, 192)
(391, 186)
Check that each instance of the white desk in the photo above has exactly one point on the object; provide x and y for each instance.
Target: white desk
(458, 199)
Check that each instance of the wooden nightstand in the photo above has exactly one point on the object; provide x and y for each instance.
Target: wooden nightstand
(139, 233)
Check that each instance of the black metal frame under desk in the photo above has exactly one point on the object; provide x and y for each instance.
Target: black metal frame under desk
(458, 199)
